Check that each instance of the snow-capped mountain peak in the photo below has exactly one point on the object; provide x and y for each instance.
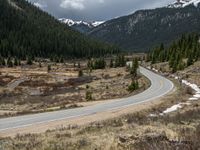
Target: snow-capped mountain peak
(97, 23)
(82, 22)
(183, 3)
(70, 22)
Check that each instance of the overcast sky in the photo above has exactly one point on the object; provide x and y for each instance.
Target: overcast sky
(95, 10)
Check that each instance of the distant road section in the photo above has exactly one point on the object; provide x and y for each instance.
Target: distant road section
(16, 83)
(160, 86)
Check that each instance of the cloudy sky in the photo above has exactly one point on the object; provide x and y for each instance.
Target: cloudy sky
(95, 10)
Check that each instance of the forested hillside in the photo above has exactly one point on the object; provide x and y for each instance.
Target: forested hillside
(144, 29)
(26, 31)
(180, 54)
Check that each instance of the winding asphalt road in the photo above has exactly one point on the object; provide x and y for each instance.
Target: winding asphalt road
(159, 87)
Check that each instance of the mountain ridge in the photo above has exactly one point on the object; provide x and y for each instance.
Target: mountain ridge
(183, 3)
(81, 26)
(144, 29)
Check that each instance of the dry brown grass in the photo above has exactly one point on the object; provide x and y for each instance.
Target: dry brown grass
(60, 88)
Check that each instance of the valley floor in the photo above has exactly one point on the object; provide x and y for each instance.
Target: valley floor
(32, 89)
(151, 127)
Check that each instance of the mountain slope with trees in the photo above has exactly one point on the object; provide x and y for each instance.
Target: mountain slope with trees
(26, 31)
(180, 54)
(144, 29)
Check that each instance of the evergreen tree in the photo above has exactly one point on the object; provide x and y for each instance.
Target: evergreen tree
(16, 62)
(9, 62)
(19, 62)
(48, 68)
(120, 61)
(135, 66)
(89, 64)
(190, 60)
(80, 73)
(133, 86)
(29, 60)
(111, 63)
(61, 60)
(2, 61)
(79, 65)
(98, 63)
(88, 96)
(40, 65)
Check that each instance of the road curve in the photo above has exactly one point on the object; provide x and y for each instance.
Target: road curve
(159, 87)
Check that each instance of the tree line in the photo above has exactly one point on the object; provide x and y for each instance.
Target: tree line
(133, 69)
(180, 54)
(100, 63)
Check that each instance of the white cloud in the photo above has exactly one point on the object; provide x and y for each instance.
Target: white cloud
(74, 4)
(91, 10)
(101, 1)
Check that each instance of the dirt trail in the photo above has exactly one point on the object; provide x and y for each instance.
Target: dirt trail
(12, 85)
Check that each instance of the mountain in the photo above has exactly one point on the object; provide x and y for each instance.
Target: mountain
(27, 31)
(144, 29)
(81, 26)
(183, 3)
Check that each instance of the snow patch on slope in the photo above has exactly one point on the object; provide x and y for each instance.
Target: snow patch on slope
(183, 3)
(13, 4)
(178, 106)
(174, 108)
(97, 23)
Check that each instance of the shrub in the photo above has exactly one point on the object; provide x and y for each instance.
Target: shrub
(88, 96)
(87, 86)
(134, 86)
(49, 68)
(80, 73)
